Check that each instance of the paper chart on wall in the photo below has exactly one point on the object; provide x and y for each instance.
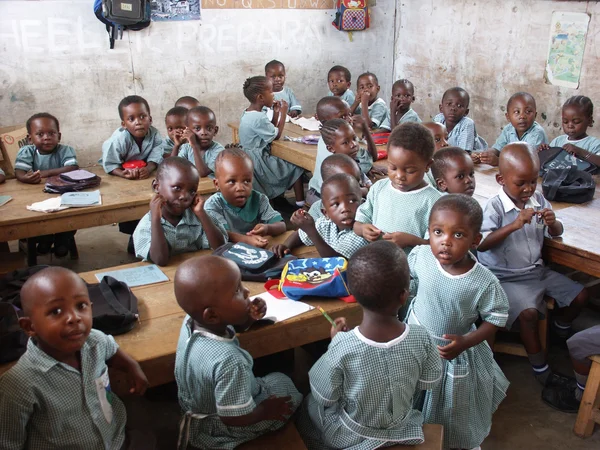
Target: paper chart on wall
(568, 33)
(167, 10)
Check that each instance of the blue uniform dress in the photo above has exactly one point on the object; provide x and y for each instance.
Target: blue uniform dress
(464, 135)
(535, 136)
(288, 95)
(214, 378)
(589, 143)
(209, 156)
(167, 146)
(472, 384)
(121, 147)
(272, 175)
(378, 113)
(345, 242)
(347, 97)
(362, 391)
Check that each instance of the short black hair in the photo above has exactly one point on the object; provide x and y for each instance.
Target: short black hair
(462, 204)
(378, 274)
(526, 95)
(442, 158)
(178, 111)
(330, 165)
(460, 91)
(202, 110)
(254, 86)
(233, 152)
(43, 115)
(330, 127)
(175, 162)
(347, 74)
(130, 100)
(342, 178)
(583, 102)
(404, 82)
(331, 101)
(188, 99)
(368, 74)
(414, 137)
(273, 63)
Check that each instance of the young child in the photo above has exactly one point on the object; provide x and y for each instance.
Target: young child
(272, 175)
(224, 404)
(244, 213)
(187, 102)
(58, 395)
(410, 148)
(339, 80)
(453, 114)
(577, 117)
(521, 112)
(175, 121)
(367, 104)
(440, 139)
(136, 139)
(362, 389)
(453, 292)
(201, 150)
(275, 71)
(516, 221)
(177, 221)
(453, 171)
(403, 95)
(331, 234)
(45, 157)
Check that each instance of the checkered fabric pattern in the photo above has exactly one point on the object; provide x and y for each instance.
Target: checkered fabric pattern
(345, 242)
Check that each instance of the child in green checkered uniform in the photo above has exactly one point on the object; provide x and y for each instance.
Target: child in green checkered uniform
(453, 291)
(362, 389)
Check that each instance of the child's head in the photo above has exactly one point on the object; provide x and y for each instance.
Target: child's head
(378, 277)
(404, 91)
(340, 163)
(135, 115)
(339, 80)
(454, 227)
(368, 82)
(332, 107)
(455, 104)
(275, 71)
(203, 123)
(209, 289)
(57, 311)
(341, 198)
(577, 116)
(175, 121)
(440, 134)
(410, 148)
(518, 166)
(339, 137)
(233, 176)
(521, 111)
(177, 182)
(259, 90)
(453, 171)
(187, 102)
(43, 131)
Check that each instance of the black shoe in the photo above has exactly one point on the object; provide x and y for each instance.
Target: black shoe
(130, 246)
(61, 245)
(43, 248)
(561, 398)
(559, 380)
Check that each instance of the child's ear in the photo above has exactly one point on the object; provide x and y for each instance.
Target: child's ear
(476, 241)
(210, 316)
(155, 186)
(123, 124)
(467, 112)
(150, 120)
(216, 183)
(329, 148)
(404, 296)
(59, 136)
(441, 108)
(506, 115)
(441, 184)
(26, 326)
(216, 130)
(500, 179)
(378, 89)
(29, 139)
(428, 167)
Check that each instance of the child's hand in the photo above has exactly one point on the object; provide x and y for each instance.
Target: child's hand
(280, 250)
(257, 241)
(198, 204)
(358, 121)
(399, 238)
(137, 380)
(454, 348)
(378, 172)
(156, 205)
(179, 138)
(143, 173)
(543, 147)
(276, 408)
(257, 308)
(525, 216)
(548, 216)
(339, 324)
(370, 232)
(293, 114)
(260, 229)
(32, 177)
(131, 174)
(190, 136)
(488, 157)
(364, 98)
(284, 106)
(475, 157)
(574, 150)
(301, 219)
(395, 103)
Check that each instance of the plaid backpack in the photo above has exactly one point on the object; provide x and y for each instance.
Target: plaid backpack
(351, 15)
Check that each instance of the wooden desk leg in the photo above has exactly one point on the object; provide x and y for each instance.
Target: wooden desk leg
(31, 252)
(584, 425)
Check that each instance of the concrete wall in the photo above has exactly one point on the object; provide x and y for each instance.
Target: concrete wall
(54, 57)
(493, 49)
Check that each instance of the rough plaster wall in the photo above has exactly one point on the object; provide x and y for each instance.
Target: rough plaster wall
(493, 49)
(54, 57)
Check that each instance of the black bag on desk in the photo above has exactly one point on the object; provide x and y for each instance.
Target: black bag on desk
(559, 158)
(568, 185)
(115, 308)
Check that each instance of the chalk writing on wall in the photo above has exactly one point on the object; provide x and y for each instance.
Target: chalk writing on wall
(268, 4)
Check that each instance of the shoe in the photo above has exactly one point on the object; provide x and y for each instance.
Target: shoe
(559, 380)
(43, 248)
(130, 246)
(561, 398)
(61, 246)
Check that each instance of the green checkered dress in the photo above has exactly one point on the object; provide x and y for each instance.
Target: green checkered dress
(209, 156)
(345, 242)
(473, 385)
(362, 391)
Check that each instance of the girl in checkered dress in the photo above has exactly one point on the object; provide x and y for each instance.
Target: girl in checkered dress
(452, 291)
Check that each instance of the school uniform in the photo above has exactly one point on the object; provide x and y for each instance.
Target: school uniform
(214, 378)
(288, 95)
(517, 261)
(187, 236)
(409, 116)
(272, 175)
(463, 135)
(362, 391)
(241, 220)
(390, 209)
(316, 210)
(209, 156)
(378, 113)
(122, 147)
(584, 344)
(589, 143)
(46, 404)
(535, 135)
(345, 242)
(347, 97)
(472, 384)
(167, 146)
(2, 172)
(30, 158)
(429, 178)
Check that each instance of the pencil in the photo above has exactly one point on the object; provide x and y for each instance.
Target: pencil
(329, 319)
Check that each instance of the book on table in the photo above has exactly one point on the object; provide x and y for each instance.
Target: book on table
(81, 199)
(136, 276)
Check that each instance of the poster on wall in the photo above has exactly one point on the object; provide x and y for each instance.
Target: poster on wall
(568, 33)
(163, 10)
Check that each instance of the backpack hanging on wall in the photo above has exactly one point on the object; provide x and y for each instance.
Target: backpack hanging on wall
(351, 15)
(120, 15)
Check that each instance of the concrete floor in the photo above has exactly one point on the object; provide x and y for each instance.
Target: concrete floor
(523, 421)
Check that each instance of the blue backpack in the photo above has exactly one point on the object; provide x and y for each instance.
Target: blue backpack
(119, 15)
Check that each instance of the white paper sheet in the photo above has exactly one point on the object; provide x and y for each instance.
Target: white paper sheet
(307, 123)
(279, 310)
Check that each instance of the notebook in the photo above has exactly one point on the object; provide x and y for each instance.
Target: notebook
(137, 276)
(279, 310)
(80, 199)
(4, 199)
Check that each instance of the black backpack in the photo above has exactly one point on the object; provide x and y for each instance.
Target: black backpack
(568, 185)
(559, 158)
(120, 15)
(115, 308)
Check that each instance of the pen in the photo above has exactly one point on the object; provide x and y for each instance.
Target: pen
(329, 319)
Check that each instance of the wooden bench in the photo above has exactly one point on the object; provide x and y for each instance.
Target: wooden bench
(589, 412)
(434, 438)
(286, 438)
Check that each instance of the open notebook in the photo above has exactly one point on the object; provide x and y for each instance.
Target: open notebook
(279, 310)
